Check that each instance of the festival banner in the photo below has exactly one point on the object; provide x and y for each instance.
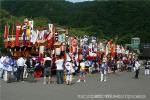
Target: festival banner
(6, 32)
(31, 24)
(24, 34)
(18, 27)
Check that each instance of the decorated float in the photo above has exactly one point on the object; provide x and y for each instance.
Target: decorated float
(29, 40)
(26, 39)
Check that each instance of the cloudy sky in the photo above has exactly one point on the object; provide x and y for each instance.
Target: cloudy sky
(78, 0)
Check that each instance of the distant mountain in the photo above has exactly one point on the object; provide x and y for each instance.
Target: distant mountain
(108, 19)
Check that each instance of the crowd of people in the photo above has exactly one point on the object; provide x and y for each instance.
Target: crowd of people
(64, 68)
(64, 56)
(71, 56)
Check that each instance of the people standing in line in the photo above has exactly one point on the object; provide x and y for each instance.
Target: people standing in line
(103, 71)
(82, 71)
(147, 67)
(60, 70)
(69, 70)
(137, 68)
(20, 64)
(47, 70)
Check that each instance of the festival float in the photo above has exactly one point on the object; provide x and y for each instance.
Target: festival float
(29, 40)
(26, 39)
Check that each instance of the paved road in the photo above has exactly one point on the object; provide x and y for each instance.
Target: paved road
(122, 84)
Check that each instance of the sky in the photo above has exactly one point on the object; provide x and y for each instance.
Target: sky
(74, 1)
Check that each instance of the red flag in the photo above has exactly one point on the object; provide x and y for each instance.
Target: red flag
(17, 34)
(6, 31)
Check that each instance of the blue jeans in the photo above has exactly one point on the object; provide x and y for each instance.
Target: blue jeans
(60, 76)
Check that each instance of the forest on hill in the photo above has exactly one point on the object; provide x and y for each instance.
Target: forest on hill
(119, 20)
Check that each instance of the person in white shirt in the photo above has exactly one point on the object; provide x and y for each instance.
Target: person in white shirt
(147, 67)
(2, 65)
(8, 68)
(20, 64)
(60, 70)
(137, 68)
(103, 71)
(69, 71)
(47, 69)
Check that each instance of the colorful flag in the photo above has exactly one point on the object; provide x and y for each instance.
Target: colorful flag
(6, 31)
(51, 26)
(12, 36)
(24, 34)
(31, 24)
(34, 36)
(17, 34)
(28, 31)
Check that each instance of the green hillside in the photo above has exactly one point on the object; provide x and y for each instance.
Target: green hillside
(119, 20)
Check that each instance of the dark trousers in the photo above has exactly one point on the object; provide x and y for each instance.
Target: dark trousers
(60, 76)
(31, 77)
(20, 73)
(137, 73)
(15, 76)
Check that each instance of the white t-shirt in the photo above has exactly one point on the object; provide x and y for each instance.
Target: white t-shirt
(21, 62)
(137, 65)
(68, 66)
(59, 64)
(1, 61)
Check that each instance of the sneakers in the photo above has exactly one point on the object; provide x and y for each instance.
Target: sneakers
(103, 80)
(44, 83)
(79, 81)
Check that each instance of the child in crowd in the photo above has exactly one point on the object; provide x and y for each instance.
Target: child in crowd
(82, 71)
(69, 71)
